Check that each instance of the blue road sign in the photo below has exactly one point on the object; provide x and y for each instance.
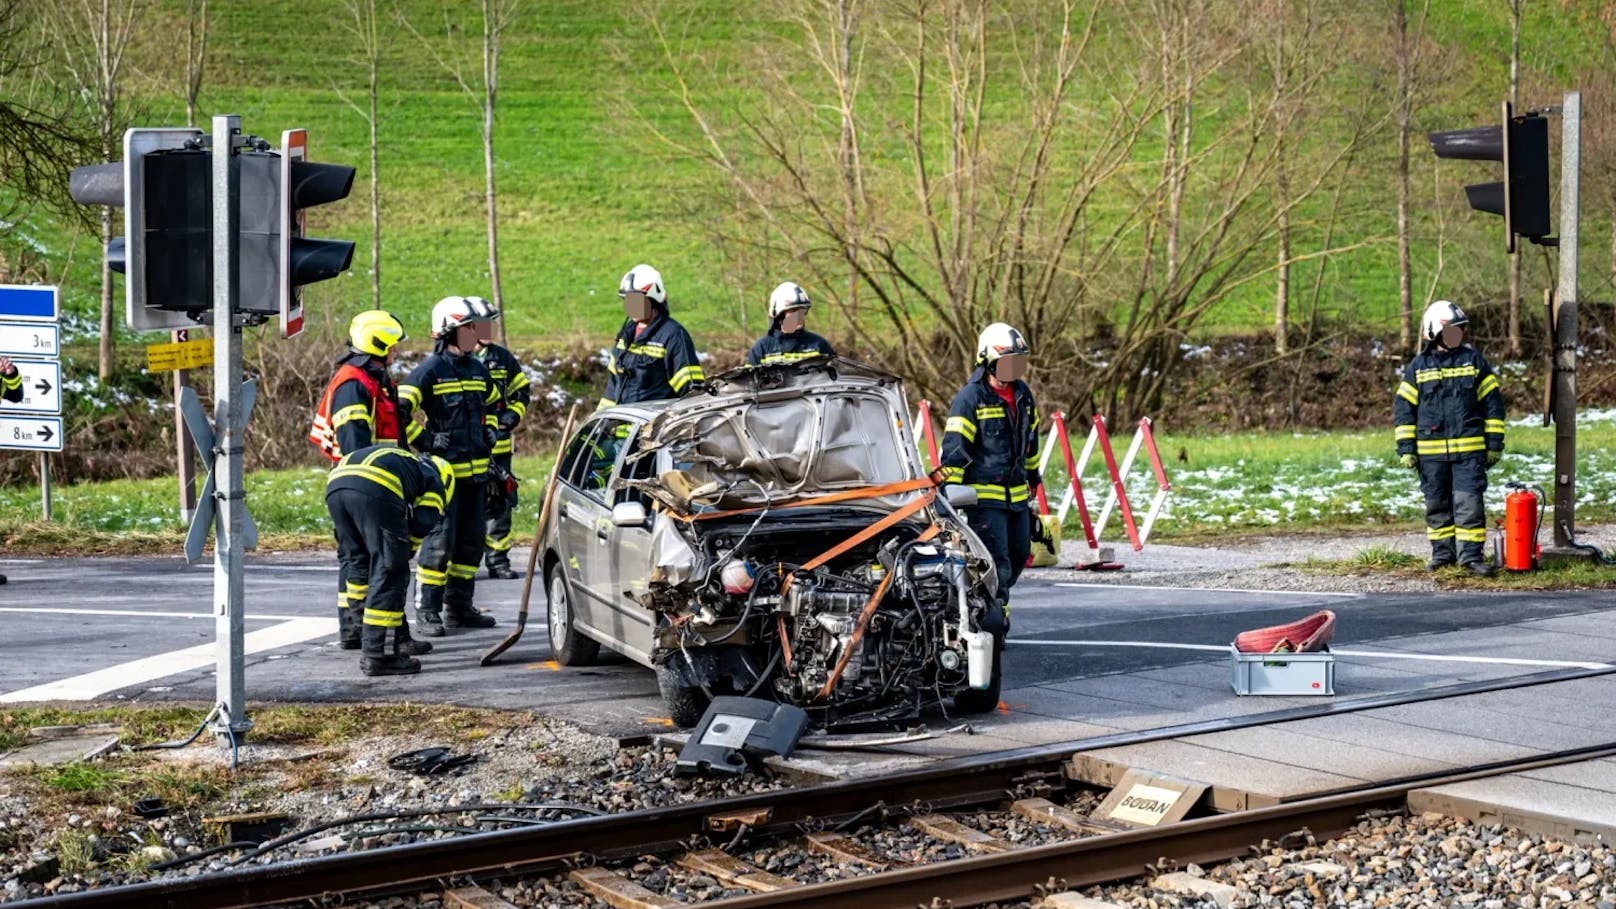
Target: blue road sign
(28, 302)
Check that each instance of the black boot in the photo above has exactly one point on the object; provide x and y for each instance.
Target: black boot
(397, 664)
(501, 571)
(469, 617)
(403, 643)
(429, 612)
(1479, 568)
(348, 627)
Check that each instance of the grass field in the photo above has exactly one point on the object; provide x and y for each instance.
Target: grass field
(1273, 483)
(586, 192)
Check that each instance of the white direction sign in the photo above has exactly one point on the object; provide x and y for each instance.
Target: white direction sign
(41, 388)
(33, 433)
(30, 339)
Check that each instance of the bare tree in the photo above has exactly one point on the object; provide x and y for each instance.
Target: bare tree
(1407, 38)
(41, 138)
(1515, 100)
(364, 22)
(497, 15)
(93, 37)
(1039, 214)
(196, 54)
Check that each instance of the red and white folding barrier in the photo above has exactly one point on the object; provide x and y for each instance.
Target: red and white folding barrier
(928, 432)
(1099, 437)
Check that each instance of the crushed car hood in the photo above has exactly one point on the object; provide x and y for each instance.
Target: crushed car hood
(765, 435)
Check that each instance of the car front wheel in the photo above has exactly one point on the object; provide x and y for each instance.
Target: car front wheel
(568, 646)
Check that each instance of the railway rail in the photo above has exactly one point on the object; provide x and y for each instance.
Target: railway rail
(938, 801)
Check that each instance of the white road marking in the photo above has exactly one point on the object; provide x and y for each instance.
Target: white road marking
(1272, 593)
(141, 613)
(91, 685)
(1367, 654)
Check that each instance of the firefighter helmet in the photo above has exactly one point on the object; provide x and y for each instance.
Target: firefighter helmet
(785, 298)
(375, 332)
(450, 313)
(646, 280)
(483, 308)
(999, 340)
(445, 475)
(1439, 315)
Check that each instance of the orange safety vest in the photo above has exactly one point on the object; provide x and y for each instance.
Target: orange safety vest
(383, 409)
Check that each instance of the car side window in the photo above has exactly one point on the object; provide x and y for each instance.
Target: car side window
(574, 462)
(596, 461)
(642, 467)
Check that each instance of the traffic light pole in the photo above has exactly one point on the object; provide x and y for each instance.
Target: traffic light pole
(1565, 334)
(231, 723)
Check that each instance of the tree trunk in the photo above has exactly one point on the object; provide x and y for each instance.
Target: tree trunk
(105, 351)
(375, 183)
(1514, 99)
(1405, 117)
(847, 153)
(1282, 273)
(491, 28)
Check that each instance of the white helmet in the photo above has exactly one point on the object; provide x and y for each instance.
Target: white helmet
(998, 340)
(450, 313)
(646, 280)
(1438, 315)
(785, 298)
(482, 309)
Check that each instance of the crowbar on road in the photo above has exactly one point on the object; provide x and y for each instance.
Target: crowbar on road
(538, 541)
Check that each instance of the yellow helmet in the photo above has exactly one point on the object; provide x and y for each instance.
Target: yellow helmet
(375, 332)
(445, 474)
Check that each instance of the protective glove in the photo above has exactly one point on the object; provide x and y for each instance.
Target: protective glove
(1409, 461)
(490, 436)
(440, 442)
(508, 420)
(1494, 455)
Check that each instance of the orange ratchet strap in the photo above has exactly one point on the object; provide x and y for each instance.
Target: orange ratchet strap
(864, 620)
(929, 481)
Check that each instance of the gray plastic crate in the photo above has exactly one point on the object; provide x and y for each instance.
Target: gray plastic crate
(1283, 673)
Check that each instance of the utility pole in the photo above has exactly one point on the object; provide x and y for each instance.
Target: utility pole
(1565, 334)
(229, 609)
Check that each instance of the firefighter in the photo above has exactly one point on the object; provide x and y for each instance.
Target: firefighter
(383, 500)
(10, 390)
(512, 382)
(788, 340)
(654, 358)
(1449, 414)
(991, 445)
(359, 407)
(457, 397)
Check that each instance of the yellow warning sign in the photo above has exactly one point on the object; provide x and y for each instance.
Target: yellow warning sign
(179, 355)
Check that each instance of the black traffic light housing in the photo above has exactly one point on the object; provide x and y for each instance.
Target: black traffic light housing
(1521, 144)
(311, 258)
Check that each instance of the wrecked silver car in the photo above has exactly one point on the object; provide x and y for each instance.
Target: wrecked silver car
(775, 536)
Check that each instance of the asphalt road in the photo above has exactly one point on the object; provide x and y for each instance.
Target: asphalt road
(142, 630)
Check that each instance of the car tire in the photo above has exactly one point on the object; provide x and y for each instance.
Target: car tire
(984, 700)
(568, 645)
(685, 703)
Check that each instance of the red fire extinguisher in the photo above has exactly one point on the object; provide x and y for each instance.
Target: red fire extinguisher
(1523, 517)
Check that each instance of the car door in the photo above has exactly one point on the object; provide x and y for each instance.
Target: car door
(579, 503)
(627, 569)
(591, 521)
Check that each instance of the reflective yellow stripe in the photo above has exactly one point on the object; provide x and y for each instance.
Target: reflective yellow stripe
(518, 408)
(410, 394)
(962, 426)
(990, 412)
(350, 414)
(374, 474)
(518, 382)
(685, 376)
(430, 500)
(429, 577)
(792, 357)
(1405, 431)
(462, 572)
(502, 544)
(491, 420)
(1031, 463)
(1470, 534)
(384, 618)
(605, 402)
(953, 474)
(503, 446)
(1487, 387)
(1408, 393)
(996, 493)
(648, 349)
(1439, 533)
(1450, 446)
(1448, 372)
(13, 381)
(1493, 426)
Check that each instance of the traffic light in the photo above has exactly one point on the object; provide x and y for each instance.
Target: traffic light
(304, 259)
(1521, 144)
(163, 188)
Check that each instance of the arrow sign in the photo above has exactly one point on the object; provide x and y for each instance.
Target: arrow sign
(30, 339)
(31, 433)
(41, 388)
(202, 431)
(28, 302)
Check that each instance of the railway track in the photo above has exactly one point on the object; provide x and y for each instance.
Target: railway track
(971, 831)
